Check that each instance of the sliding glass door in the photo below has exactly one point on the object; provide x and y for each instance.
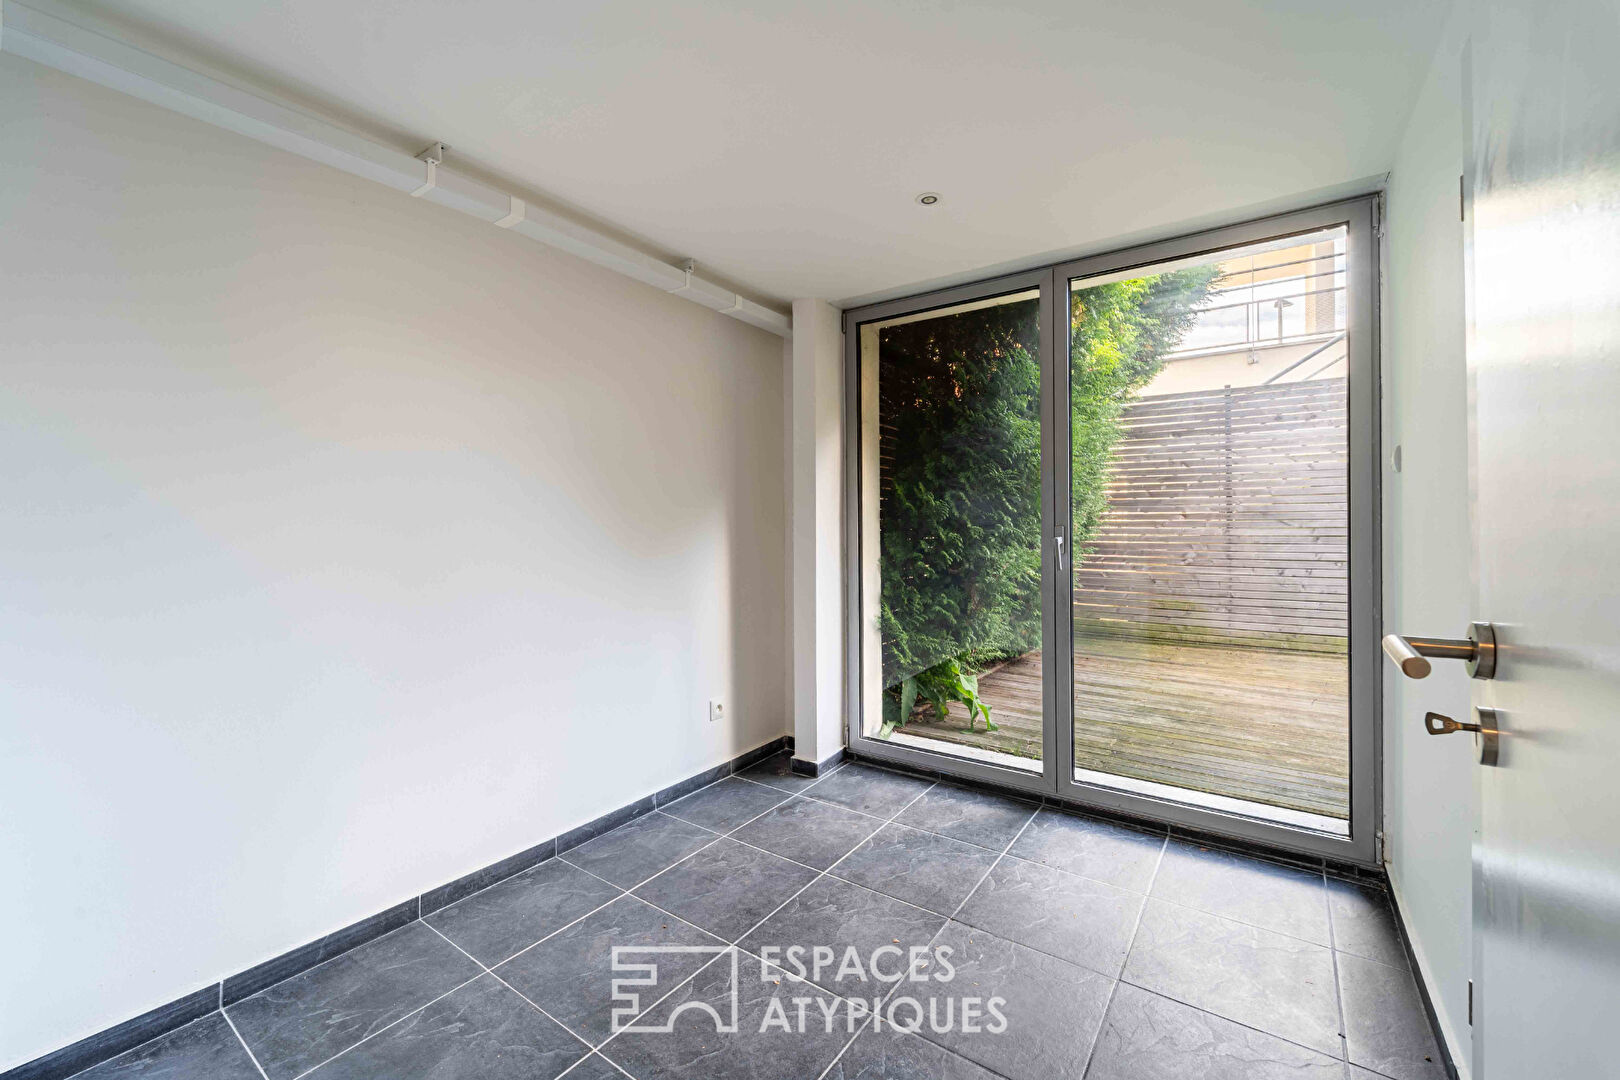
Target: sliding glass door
(955, 516)
(1114, 531)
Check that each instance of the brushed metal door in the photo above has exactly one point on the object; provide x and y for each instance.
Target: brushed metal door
(1544, 368)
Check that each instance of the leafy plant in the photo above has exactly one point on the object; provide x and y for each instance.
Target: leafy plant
(939, 686)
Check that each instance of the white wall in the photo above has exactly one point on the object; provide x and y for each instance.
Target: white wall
(1429, 782)
(817, 353)
(348, 546)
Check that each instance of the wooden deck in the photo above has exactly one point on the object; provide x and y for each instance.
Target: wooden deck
(1260, 725)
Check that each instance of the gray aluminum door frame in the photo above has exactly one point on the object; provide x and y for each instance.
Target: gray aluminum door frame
(1360, 216)
(1044, 782)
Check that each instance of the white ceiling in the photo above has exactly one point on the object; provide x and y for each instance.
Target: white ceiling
(781, 144)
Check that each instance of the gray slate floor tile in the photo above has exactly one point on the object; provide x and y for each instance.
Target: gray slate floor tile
(922, 868)
(974, 817)
(205, 1049)
(896, 1055)
(1052, 1008)
(299, 1023)
(596, 1067)
(842, 916)
(1228, 978)
(1385, 1027)
(1279, 984)
(726, 889)
(634, 852)
(695, 1050)
(1273, 897)
(1364, 923)
(1148, 1037)
(570, 975)
(1100, 850)
(869, 790)
(726, 805)
(511, 915)
(1083, 921)
(777, 772)
(482, 1031)
(814, 833)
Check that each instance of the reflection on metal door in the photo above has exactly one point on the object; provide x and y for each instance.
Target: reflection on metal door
(1544, 366)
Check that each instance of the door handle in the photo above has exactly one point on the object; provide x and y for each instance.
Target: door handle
(1059, 541)
(1478, 650)
(1487, 735)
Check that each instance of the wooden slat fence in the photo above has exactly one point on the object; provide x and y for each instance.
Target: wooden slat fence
(1227, 521)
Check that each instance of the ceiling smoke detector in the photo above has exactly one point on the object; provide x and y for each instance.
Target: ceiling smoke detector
(928, 198)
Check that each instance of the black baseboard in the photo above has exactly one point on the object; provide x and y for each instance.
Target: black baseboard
(247, 983)
(1429, 1010)
(817, 768)
(104, 1045)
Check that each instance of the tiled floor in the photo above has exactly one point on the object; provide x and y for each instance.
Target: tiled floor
(1117, 955)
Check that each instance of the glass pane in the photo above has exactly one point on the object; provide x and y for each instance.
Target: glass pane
(1211, 526)
(951, 521)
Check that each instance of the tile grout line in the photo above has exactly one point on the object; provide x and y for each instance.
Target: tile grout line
(1039, 803)
(1052, 955)
(786, 797)
(251, 1055)
(661, 999)
(1331, 948)
(557, 853)
(1338, 982)
(423, 918)
(719, 836)
(223, 1009)
(1032, 806)
(1136, 928)
(827, 873)
(606, 1061)
(1037, 807)
(1147, 894)
(948, 920)
(623, 892)
(814, 780)
(1242, 922)
(631, 893)
(484, 970)
(379, 1031)
(1238, 1023)
(491, 973)
(819, 875)
(564, 926)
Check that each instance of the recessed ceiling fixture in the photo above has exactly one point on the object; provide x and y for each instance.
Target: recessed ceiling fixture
(928, 198)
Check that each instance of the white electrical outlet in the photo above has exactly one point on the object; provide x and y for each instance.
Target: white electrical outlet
(717, 710)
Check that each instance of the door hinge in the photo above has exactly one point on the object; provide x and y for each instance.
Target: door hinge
(1470, 1002)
